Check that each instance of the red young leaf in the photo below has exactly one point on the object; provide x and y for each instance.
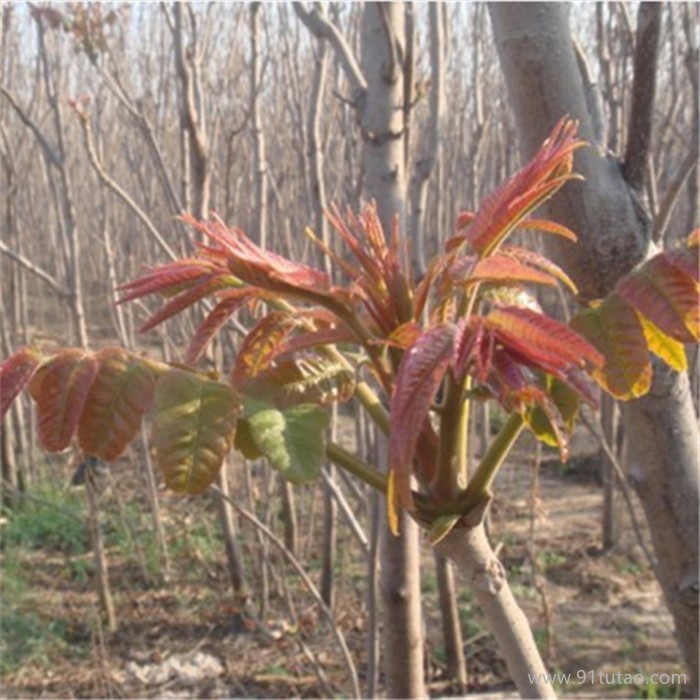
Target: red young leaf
(261, 345)
(259, 267)
(384, 285)
(685, 259)
(419, 376)
(505, 208)
(549, 227)
(118, 399)
(530, 257)
(464, 218)
(60, 387)
(314, 339)
(666, 296)
(171, 278)
(192, 295)
(15, 373)
(546, 343)
(500, 267)
(230, 301)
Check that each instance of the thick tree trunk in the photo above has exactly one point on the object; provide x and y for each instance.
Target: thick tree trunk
(544, 83)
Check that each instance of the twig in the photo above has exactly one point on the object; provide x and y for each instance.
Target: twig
(595, 430)
(37, 271)
(261, 527)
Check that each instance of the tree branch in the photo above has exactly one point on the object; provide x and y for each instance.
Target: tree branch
(37, 271)
(116, 187)
(671, 196)
(643, 89)
(320, 26)
(31, 124)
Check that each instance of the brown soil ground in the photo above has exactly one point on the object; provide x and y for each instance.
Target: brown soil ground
(592, 613)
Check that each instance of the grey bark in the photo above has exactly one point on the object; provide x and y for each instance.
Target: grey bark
(451, 627)
(259, 158)
(383, 157)
(471, 552)
(537, 56)
(428, 148)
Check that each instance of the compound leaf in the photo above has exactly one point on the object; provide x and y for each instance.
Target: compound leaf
(193, 429)
(60, 388)
(291, 439)
(118, 399)
(15, 373)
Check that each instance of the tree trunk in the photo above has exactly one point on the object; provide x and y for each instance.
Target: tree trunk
(259, 160)
(544, 83)
(451, 626)
(428, 148)
(383, 158)
(471, 552)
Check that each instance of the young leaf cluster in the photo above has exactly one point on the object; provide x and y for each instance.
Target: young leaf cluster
(414, 354)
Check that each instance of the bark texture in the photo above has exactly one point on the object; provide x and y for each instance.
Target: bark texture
(385, 181)
(471, 552)
(544, 83)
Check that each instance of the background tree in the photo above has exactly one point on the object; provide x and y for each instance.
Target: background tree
(616, 230)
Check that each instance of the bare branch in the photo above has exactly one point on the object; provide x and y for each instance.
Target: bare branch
(321, 27)
(113, 185)
(671, 197)
(34, 269)
(643, 89)
(50, 152)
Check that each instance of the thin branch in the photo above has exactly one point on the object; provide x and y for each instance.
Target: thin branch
(597, 433)
(307, 582)
(321, 27)
(594, 98)
(671, 197)
(50, 152)
(643, 92)
(116, 187)
(37, 271)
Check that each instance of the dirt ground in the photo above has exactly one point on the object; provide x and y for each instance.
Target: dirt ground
(593, 614)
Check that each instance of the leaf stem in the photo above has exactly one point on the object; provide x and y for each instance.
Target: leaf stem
(353, 464)
(363, 392)
(482, 479)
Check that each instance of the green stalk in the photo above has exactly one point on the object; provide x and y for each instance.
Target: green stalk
(353, 464)
(482, 479)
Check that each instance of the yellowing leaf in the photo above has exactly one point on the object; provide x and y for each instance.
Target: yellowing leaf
(194, 423)
(669, 350)
(613, 327)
